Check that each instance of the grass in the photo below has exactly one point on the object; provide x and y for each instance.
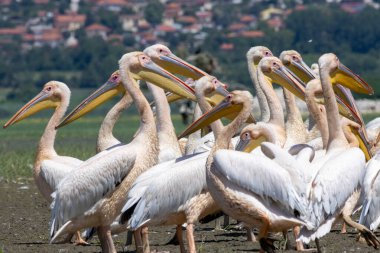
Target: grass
(19, 142)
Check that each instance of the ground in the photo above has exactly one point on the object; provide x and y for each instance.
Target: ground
(24, 227)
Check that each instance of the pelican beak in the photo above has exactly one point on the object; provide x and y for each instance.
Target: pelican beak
(364, 144)
(38, 103)
(104, 93)
(171, 97)
(218, 95)
(178, 66)
(222, 109)
(349, 79)
(303, 71)
(285, 78)
(344, 96)
(249, 144)
(155, 74)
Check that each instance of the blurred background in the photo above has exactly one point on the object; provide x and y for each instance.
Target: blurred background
(80, 42)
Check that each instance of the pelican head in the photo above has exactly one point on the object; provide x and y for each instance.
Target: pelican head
(255, 54)
(231, 104)
(329, 63)
(273, 69)
(108, 90)
(51, 96)
(211, 86)
(293, 61)
(250, 138)
(162, 56)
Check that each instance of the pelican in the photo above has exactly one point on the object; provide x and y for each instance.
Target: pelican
(91, 195)
(160, 195)
(49, 168)
(341, 162)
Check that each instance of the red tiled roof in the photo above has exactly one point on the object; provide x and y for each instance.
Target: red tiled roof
(173, 6)
(252, 34)
(187, 19)
(203, 14)
(70, 18)
(28, 37)
(236, 26)
(97, 27)
(51, 35)
(166, 28)
(18, 30)
(112, 2)
(300, 7)
(226, 46)
(247, 18)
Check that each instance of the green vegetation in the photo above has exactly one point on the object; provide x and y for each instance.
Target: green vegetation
(18, 143)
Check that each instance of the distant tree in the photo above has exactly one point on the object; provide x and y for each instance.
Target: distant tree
(153, 12)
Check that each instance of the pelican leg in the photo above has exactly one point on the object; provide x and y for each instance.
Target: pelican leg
(138, 240)
(145, 239)
(129, 239)
(180, 239)
(79, 240)
(106, 242)
(368, 235)
(250, 235)
(190, 238)
(226, 221)
(284, 244)
(344, 228)
(265, 244)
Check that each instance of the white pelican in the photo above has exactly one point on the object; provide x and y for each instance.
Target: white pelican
(327, 199)
(49, 168)
(160, 195)
(91, 195)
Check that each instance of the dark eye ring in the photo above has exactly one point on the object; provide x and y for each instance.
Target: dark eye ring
(48, 89)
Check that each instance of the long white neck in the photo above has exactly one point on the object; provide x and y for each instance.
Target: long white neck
(217, 125)
(193, 138)
(276, 112)
(106, 138)
(336, 135)
(165, 129)
(317, 112)
(147, 123)
(293, 122)
(46, 144)
(263, 104)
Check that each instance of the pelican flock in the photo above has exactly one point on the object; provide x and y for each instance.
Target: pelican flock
(276, 174)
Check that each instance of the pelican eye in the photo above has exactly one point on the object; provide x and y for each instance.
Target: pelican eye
(48, 88)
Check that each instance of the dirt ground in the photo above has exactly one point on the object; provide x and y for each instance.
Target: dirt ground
(24, 227)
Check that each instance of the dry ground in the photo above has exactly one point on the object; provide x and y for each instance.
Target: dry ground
(24, 219)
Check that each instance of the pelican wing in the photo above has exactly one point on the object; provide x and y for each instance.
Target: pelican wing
(53, 172)
(259, 175)
(334, 183)
(165, 191)
(85, 186)
(370, 215)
